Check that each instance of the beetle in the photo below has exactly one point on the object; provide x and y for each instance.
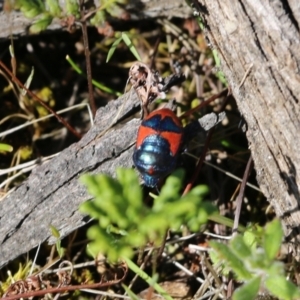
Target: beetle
(158, 145)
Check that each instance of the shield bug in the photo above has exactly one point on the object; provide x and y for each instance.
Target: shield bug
(158, 145)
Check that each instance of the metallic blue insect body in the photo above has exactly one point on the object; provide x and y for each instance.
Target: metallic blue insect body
(158, 145)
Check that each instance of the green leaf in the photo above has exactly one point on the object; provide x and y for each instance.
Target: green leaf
(239, 247)
(232, 260)
(130, 293)
(111, 245)
(280, 287)
(99, 18)
(230, 145)
(96, 83)
(60, 250)
(275, 269)
(225, 221)
(72, 8)
(131, 187)
(54, 232)
(201, 217)
(154, 226)
(219, 74)
(53, 7)
(272, 239)
(30, 8)
(248, 291)
(170, 190)
(133, 267)
(200, 190)
(41, 24)
(250, 238)
(130, 45)
(113, 48)
(6, 148)
(28, 82)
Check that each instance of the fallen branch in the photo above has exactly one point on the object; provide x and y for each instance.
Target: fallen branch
(51, 194)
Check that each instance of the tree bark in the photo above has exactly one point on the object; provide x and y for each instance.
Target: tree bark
(15, 23)
(52, 193)
(258, 42)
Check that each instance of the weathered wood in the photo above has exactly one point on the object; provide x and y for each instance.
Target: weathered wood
(52, 193)
(15, 23)
(265, 35)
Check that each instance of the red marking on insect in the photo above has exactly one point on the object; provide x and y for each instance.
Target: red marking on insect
(158, 145)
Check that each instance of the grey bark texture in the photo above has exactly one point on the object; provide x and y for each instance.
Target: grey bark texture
(52, 193)
(14, 23)
(262, 39)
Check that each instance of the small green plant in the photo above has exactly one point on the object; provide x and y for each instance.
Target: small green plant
(126, 223)
(20, 274)
(47, 10)
(96, 83)
(122, 36)
(108, 7)
(60, 250)
(5, 148)
(252, 259)
(152, 281)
